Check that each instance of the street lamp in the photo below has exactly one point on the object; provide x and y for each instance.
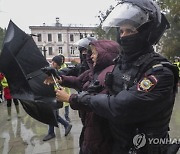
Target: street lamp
(44, 50)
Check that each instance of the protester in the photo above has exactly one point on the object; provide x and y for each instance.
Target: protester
(96, 137)
(57, 62)
(142, 85)
(8, 97)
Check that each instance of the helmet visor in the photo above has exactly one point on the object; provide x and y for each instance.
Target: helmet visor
(125, 14)
(82, 43)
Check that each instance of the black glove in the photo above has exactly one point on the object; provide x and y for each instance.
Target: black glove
(50, 71)
(95, 88)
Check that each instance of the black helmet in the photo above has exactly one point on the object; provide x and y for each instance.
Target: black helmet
(144, 15)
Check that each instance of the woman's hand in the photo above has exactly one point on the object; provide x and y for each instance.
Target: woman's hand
(62, 95)
(49, 80)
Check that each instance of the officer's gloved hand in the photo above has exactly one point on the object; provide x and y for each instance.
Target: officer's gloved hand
(51, 71)
(83, 98)
(95, 88)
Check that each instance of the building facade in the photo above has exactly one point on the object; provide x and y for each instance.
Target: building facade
(60, 39)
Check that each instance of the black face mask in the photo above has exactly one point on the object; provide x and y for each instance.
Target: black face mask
(133, 43)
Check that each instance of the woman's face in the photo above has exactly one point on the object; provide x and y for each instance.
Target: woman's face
(94, 54)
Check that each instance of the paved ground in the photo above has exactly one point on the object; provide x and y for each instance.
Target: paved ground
(24, 135)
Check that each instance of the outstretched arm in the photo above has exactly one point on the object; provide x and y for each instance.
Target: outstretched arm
(150, 95)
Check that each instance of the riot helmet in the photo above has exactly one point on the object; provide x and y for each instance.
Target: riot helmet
(144, 16)
(85, 52)
(83, 44)
(83, 47)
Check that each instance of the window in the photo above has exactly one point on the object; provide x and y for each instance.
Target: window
(50, 51)
(60, 50)
(39, 36)
(43, 50)
(72, 50)
(49, 37)
(59, 37)
(81, 35)
(71, 37)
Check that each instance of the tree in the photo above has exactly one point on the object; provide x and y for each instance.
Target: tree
(170, 42)
(2, 34)
(100, 32)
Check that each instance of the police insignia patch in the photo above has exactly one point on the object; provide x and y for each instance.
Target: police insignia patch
(147, 83)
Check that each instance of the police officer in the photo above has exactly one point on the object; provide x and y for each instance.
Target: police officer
(85, 60)
(85, 53)
(143, 84)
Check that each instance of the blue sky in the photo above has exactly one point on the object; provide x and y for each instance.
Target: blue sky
(25, 13)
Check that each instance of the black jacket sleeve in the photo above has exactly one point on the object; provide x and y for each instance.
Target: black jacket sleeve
(135, 105)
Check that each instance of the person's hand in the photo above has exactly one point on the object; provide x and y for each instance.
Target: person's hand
(49, 80)
(62, 95)
(50, 71)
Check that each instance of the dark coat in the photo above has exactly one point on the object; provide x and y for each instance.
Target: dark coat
(142, 106)
(97, 137)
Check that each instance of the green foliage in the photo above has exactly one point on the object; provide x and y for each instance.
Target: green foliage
(170, 42)
(100, 32)
(2, 34)
(103, 15)
(111, 35)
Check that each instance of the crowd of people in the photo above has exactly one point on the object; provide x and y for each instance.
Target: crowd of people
(124, 88)
(130, 89)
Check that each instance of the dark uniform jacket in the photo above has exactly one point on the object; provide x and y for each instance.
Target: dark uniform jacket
(141, 101)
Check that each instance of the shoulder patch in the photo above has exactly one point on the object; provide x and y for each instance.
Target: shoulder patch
(146, 84)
